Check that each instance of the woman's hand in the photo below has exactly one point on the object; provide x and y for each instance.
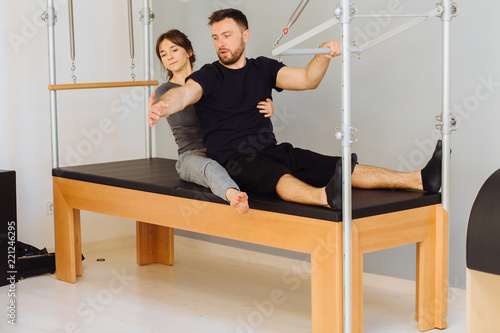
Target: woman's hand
(266, 107)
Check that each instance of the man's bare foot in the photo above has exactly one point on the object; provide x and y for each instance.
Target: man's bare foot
(238, 200)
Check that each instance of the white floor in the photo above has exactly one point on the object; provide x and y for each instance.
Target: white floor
(211, 288)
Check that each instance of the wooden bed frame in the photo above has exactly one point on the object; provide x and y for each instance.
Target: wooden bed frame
(150, 192)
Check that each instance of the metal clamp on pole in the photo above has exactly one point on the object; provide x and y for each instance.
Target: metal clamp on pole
(446, 13)
(446, 127)
(353, 10)
(50, 16)
(346, 140)
(356, 49)
(146, 12)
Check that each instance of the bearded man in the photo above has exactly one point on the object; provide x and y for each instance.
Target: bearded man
(240, 138)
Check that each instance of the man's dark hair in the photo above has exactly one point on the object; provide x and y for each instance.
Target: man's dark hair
(232, 13)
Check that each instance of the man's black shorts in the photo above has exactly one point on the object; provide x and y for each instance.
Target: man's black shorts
(260, 171)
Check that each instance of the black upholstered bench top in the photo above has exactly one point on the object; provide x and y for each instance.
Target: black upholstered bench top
(158, 175)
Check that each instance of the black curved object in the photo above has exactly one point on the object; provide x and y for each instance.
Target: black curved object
(483, 232)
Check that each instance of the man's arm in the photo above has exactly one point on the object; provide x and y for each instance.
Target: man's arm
(174, 100)
(290, 78)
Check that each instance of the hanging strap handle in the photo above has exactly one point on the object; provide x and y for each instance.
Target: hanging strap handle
(72, 39)
(131, 38)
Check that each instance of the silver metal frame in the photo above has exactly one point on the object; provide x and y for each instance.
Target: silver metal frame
(345, 12)
(50, 18)
(147, 17)
(448, 122)
(345, 141)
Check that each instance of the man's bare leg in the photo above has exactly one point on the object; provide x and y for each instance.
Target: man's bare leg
(428, 179)
(371, 177)
(238, 200)
(292, 189)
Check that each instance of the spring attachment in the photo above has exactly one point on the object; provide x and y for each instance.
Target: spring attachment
(132, 66)
(73, 68)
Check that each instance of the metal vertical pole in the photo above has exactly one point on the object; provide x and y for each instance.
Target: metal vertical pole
(147, 18)
(345, 20)
(446, 116)
(50, 19)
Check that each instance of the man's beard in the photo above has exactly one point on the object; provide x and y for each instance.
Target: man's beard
(231, 58)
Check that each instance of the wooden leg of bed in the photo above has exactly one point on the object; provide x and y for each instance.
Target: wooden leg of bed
(432, 275)
(67, 239)
(426, 282)
(326, 282)
(442, 240)
(78, 242)
(155, 244)
(417, 283)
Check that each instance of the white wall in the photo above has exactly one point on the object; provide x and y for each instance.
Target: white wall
(95, 125)
(396, 95)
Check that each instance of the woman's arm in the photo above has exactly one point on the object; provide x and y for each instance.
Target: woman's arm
(174, 100)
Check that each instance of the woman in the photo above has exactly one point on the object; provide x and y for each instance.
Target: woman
(176, 55)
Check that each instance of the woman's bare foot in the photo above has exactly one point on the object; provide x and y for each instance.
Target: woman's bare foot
(238, 200)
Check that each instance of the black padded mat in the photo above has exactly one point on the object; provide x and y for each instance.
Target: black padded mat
(158, 175)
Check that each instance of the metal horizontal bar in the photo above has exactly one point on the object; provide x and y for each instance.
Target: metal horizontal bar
(305, 51)
(292, 52)
(399, 30)
(390, 15)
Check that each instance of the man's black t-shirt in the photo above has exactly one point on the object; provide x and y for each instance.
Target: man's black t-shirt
(230, 120)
